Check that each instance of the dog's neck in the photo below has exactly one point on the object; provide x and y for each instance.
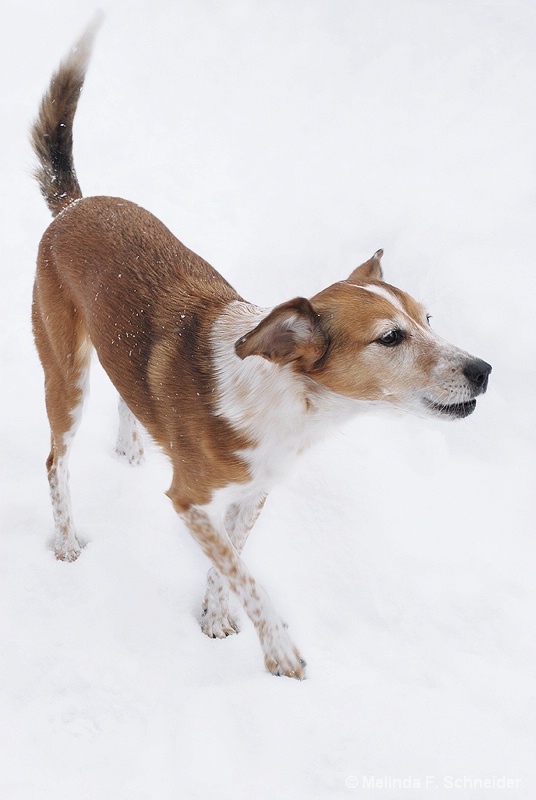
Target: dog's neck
(277, 407)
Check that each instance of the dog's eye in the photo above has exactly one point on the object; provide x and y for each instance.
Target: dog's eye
(428, 318)
(391, 338)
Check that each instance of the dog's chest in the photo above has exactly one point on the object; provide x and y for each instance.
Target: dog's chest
(271, 405)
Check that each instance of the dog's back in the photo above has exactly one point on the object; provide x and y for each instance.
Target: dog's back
(133, 285)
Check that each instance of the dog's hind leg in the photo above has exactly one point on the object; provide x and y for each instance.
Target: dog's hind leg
(65, 352)
(129, 442)
(239, 519)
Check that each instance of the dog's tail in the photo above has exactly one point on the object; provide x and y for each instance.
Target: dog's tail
(52, 131)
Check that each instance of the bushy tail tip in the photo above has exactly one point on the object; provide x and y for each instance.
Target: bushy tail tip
(52, 131)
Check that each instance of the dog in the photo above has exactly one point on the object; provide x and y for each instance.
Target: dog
(231, 392)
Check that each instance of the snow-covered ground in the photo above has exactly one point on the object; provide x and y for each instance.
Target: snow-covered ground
(285, 141)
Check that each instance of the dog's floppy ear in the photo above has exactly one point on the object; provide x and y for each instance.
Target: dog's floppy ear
(290, 333)
(371, 270)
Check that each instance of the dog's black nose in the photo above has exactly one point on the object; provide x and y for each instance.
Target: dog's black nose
(477, 373)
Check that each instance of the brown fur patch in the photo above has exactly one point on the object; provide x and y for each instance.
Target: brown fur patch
(110, 270)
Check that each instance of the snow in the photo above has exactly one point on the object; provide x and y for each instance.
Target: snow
(286, 142)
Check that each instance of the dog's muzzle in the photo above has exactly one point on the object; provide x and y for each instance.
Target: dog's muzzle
(477, 373)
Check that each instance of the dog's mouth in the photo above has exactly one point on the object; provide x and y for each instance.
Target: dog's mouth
(454, 410)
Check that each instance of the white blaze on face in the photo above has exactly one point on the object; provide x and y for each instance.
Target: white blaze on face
(383, 291)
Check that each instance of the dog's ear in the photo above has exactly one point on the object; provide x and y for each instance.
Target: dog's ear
(371, 270)
(290, 333)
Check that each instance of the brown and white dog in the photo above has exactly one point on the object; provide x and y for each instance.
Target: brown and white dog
(231, 392)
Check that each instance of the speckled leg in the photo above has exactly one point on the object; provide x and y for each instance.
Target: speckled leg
(129, 441)
(280, 655)
(217, 621)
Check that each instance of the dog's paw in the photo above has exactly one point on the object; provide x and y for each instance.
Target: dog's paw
(281, 656)
(131, 450)
(67, 551)
(218, 625)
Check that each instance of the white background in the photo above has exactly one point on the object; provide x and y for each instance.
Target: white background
(286, 142)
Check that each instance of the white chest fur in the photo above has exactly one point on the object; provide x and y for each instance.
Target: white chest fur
(281, 411)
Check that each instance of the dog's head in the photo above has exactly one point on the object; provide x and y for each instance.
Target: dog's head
(367, 340)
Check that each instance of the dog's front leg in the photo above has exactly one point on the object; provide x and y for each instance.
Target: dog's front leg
(280, 655)
(239, 519)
